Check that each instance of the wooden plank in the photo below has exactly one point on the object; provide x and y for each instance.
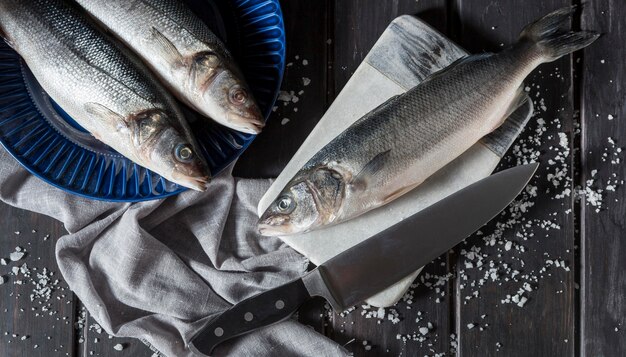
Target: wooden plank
(603, 248)
(94, 341)
(545, 324)
(357, 26)
(307, 57)
(43, 326)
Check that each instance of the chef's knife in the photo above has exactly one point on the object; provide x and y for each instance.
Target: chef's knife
(378, 262)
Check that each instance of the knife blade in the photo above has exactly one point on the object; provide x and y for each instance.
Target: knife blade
(376, 263)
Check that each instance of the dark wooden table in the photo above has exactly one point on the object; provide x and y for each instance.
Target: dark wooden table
(576, 310)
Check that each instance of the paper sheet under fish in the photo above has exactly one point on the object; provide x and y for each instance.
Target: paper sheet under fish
(398, 145)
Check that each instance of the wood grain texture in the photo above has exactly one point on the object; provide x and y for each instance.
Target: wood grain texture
(603, 275)
(306, 26)
(47, 324)
(545, 325)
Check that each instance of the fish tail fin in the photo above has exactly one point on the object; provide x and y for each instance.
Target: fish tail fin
(552, 38)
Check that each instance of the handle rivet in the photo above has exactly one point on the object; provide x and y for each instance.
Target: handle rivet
(248, 316)
(219, 332)
(280, 304)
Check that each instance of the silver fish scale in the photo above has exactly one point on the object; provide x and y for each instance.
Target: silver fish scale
(68, 26)
(181, 15)
(421, 121)
(77, 65)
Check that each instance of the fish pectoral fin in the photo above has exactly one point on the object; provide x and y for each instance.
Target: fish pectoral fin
(101, 112)
(168, 48)
(361, 180)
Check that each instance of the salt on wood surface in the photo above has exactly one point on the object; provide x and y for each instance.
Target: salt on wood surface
(407, 52)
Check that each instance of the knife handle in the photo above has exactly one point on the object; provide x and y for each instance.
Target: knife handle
(264, 309)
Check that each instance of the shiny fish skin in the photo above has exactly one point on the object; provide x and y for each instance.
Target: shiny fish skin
(103, 87)
(188, 58)
(401, 143)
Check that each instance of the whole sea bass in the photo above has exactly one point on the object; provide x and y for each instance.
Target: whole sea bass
(103, 87)
(185, 54)
(398, 145)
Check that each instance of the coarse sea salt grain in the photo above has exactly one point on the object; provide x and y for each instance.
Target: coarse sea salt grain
(15, 256)
(118, 347)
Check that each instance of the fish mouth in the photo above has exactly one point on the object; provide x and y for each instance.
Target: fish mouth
(274, 225)
(199, 183)
(247, 124)
(269, 230)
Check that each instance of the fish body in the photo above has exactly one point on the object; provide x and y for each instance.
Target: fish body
(185, 54)
(405, 140)
(103, 87)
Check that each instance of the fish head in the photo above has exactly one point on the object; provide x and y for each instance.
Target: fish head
(311, 200)
(168, 150)
(225, 97)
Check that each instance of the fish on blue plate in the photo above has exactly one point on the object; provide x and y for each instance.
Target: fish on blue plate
(104, 87)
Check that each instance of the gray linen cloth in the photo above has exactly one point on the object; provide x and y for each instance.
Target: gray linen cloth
(159, 270)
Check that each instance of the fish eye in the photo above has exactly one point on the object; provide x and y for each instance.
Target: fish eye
(183, 153)
(238, 95)
(285, 203)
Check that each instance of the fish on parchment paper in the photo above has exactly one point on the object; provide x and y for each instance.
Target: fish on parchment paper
(395, 147)
(188, 58)
(103, 87)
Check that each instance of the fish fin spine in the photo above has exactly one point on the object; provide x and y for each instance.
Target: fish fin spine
(361, 180)
(552, 38)
(462, 60)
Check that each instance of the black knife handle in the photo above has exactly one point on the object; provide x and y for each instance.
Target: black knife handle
(255, 312)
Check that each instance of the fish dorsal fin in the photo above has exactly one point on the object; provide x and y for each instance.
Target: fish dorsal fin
(169, 50)
(385, 103)
(462, 60)
(101, 112)
(361, 180)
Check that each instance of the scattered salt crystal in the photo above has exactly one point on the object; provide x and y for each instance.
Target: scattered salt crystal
(508, 245)
(306, 81)
(305, 62)
(2, 279)
(3, 261)
(470, 326)
(610, 117)
(423, 330)
(284, 121)
(15, 256)
(118, 347)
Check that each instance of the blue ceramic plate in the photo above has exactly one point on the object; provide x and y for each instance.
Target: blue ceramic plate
(53, 147)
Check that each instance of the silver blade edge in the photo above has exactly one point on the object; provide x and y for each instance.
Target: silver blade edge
(380, 261)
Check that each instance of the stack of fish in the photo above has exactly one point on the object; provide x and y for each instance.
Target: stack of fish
(122, 88)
